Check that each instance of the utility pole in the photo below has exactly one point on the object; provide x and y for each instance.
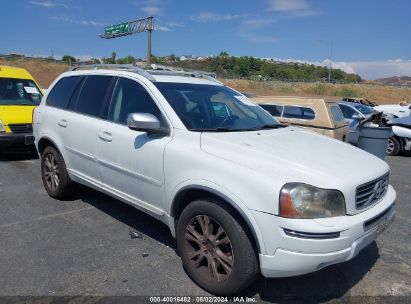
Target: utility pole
(331, 55)
(331, 43)
(150, 30)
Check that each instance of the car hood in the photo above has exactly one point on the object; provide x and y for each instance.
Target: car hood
(16, 114)
(404, 122)
(294, 155)
(388, 107)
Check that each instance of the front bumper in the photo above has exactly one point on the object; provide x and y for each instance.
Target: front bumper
(16, 142)
(287, 255)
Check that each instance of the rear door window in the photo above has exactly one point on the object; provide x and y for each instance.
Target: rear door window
(61, 93)
(93, 99)
(298, 112)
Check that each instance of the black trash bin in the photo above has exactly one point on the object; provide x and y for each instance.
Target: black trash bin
(374, 140)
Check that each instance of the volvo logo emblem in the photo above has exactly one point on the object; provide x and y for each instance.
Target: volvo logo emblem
(379, 190)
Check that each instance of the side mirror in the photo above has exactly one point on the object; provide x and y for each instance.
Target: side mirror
(356, 116)
(144, 122)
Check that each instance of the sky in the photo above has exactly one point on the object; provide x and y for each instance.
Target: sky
(368, 37)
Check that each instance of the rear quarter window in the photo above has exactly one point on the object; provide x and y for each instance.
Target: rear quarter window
(61, 93)
(298, 112)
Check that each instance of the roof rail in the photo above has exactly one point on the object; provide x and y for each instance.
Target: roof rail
(120, 67)
(195, 74)
(146, 73)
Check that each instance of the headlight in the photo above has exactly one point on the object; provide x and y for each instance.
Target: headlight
(2, 127)
(305, 201)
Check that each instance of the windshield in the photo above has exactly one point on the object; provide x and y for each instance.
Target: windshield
(204, 107)
(364, 109)
(20, 92)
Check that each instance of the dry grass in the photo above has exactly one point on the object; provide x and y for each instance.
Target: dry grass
(378, 93)
(44, 72)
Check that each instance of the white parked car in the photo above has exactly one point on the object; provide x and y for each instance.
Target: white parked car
(242, 193)
(398, 110)
(401, 140)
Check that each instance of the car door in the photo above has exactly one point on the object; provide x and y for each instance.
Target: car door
(87, 110)
(353, 124)
(132, 161)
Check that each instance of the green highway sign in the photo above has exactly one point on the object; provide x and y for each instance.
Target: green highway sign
(130, 28)
(121, 28)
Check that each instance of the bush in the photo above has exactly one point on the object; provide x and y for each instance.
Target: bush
(289, 89)
(319, 89)
(347, 92)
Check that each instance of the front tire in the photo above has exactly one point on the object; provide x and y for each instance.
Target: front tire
(393, 146)
(216, 251)
(56, 179)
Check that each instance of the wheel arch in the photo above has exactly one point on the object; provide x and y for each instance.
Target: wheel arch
(188, 194)
(45, 142)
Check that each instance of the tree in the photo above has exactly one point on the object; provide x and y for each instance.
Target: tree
(126, 60)
(108, 60)
(69, 59)
(224, 54)
(95, 60)
(113, 56)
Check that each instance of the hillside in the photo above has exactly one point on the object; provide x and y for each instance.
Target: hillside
(226, 66)
(404, 81)
(45, 72)
(378, 93)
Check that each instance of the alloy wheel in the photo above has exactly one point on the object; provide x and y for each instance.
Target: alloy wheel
(51, 172)
(390, 146)
(209, 249)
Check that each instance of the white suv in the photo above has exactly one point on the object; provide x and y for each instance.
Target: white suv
(242, 193)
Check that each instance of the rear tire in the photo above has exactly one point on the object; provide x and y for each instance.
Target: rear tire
(393, 146)
(56, 179)
(219, 257)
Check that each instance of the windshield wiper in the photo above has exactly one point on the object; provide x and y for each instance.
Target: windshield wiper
(225, 129)
(219, 129)
(270, 126)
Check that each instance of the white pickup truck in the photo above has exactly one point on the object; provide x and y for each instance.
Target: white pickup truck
(242, 193)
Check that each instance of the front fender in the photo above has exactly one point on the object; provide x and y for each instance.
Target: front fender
(224, 194)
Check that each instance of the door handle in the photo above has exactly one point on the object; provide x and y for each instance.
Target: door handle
(106, 136)
(62, 123)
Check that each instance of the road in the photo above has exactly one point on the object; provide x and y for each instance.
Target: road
(83, 247)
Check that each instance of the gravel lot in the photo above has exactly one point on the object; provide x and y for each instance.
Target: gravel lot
(83, 247)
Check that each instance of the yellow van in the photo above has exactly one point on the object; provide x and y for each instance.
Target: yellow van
(318, 115)
(19, 95)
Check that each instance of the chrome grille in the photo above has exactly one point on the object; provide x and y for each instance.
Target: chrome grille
(371, 192)
(21, 128)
